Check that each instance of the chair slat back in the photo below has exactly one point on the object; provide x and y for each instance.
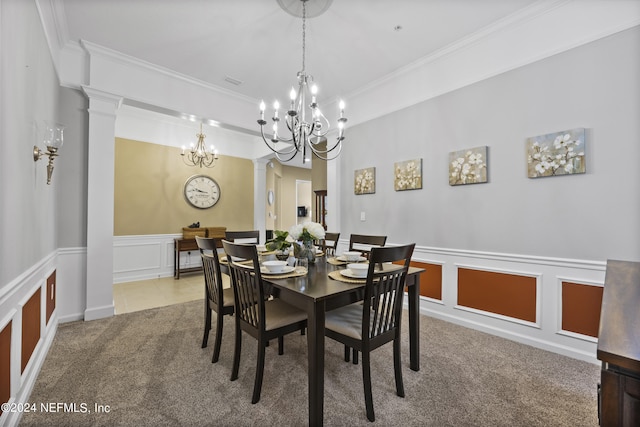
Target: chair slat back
(330, 243)
(364, 243)
(211, 266)
(384, 290)
(250, 236)
(247, 283)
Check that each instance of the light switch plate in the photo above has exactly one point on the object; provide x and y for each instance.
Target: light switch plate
(362, 216)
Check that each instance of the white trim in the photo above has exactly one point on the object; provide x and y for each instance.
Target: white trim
(500, 316)
(15, 285)
(518, 337)
(99, 312)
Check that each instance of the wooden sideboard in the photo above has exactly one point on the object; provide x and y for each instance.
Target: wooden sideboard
(189, 244)
(184, 245)
(619, 346)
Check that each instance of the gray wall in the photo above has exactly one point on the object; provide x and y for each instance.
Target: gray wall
(71, 178)
(30, 95)
(593, 216)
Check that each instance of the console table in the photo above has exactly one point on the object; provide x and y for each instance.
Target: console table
(184, 245)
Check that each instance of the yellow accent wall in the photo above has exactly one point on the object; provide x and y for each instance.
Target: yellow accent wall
(149, 183)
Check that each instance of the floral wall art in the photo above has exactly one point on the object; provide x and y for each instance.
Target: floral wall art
(365, 181)
(407, 175)
(468, 166)
(560, 153)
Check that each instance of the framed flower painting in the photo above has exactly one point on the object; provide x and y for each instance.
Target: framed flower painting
(407, 175)
(364, 181)
(468, 166)
(554, 154)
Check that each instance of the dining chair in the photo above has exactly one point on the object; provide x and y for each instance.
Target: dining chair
(250, 236)
(377, 321)
(330, 243)
(364, 243)
(217, 298)
(260, 318)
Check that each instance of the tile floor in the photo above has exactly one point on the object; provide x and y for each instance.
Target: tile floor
(145, 294)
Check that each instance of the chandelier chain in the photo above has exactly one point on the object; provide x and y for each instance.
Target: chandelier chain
(304, 32)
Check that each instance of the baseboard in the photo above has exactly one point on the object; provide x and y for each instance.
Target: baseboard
(513, 336)
(99, 312)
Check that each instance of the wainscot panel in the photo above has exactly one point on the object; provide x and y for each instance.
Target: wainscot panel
(581, 307)
(25, 333)
(529, 312)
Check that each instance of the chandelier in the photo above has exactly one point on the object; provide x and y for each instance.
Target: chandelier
(304, 125)
(198, 155)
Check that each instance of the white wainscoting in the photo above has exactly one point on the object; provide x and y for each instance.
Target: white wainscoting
(545, 333)
(13, 297)
(147, 257)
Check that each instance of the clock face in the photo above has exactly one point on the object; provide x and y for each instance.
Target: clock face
(201, 191)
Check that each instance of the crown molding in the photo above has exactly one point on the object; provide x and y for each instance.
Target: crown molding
(95, 50)
(510, 43)
(503, 46)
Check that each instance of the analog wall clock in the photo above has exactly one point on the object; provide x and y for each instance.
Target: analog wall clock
(201, 191)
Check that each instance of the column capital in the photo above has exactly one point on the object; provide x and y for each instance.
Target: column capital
(104, 99)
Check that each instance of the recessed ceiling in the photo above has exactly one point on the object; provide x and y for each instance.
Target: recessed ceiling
(255, 42)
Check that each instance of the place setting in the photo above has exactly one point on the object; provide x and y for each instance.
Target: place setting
(346, 258)
(276, 269)
(356, 272)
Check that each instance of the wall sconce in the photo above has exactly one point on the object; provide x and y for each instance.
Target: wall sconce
(53, 139)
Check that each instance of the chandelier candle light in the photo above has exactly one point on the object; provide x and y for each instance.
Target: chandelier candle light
(198, 155)
(304, 121)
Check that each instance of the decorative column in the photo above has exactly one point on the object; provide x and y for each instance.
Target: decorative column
(100, 187)
(260, 196)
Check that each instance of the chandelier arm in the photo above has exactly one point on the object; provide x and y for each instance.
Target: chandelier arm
(207, 159)
(282, 159)
(337, 144)
(325, 157)
(273, 149)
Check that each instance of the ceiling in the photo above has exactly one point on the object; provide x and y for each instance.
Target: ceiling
(349, 47)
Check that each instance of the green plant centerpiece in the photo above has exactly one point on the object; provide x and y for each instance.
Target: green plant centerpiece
(304, 236)
(279, 244)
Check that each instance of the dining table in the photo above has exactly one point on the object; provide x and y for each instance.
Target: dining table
(316, 293)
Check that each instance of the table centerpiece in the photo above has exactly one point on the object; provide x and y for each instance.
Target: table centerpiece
(304, 236)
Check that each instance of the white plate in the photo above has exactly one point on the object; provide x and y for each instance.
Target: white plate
(342, 258)
(285, 270)
(348, 273)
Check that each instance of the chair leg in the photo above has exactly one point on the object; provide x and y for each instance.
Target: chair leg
(366, 380)
(347, 353)
(397, 367)
(281, 345)
(257, 386)
(355, 356)
(207, 323)
(236, 352)
(216, 346)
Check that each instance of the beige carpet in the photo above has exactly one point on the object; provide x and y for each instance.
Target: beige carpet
(149, 369)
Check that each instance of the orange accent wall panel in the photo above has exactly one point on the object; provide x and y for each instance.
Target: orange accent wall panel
(430, 279)
(30, 327)
(506, 294)
(51, 295)
(5, 364)
(581, 306)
